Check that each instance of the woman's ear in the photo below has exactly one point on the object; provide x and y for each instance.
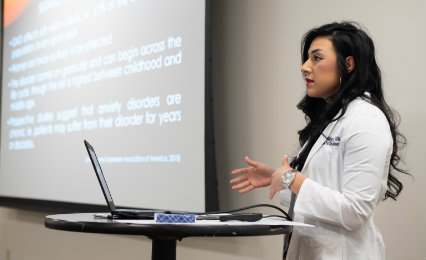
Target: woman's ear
(350, 63)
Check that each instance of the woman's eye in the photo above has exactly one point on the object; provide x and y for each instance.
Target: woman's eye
(317, 58)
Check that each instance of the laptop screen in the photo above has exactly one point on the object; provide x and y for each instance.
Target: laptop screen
(100, 175)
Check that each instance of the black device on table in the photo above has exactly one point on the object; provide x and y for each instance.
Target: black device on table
(116, 212)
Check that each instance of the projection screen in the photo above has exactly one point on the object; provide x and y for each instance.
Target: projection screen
(130, 77)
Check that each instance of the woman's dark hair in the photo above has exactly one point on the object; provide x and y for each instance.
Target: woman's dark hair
(348, 40)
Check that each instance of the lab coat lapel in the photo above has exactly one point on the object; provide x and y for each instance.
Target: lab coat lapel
(320, 141)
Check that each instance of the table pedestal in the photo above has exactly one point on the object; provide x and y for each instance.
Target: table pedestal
(163, 249)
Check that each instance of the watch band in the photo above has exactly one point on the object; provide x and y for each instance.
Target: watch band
(288, 178)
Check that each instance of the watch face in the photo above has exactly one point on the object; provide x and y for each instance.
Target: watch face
(288, 177)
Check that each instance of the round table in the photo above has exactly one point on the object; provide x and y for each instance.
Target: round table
(163, 236)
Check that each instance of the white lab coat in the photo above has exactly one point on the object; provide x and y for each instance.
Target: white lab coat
(347, 171)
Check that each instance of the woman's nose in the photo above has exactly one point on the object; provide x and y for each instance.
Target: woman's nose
(305, 69)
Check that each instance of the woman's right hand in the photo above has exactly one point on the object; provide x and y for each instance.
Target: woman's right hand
(256, 176)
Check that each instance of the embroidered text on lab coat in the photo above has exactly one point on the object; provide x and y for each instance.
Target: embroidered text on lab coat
(332, 141)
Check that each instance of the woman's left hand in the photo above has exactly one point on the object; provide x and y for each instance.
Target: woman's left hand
(276, 183)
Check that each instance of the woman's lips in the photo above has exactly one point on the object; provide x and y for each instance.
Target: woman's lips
(308, 81)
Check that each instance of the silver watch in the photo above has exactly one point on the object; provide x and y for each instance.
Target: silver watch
(288, 178)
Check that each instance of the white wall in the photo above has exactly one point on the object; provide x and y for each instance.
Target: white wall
(257, 84)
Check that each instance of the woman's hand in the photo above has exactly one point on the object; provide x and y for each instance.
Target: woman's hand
(256, 176)
(276, 183)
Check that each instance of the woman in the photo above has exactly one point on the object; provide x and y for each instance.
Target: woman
(349, 150)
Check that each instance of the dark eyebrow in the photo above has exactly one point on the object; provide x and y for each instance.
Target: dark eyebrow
(316, 50)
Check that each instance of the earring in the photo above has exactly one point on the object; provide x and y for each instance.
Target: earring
(340, 80)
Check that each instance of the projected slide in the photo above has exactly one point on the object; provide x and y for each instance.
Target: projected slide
(126, 75)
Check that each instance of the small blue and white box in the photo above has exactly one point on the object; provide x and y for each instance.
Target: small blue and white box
(174, 218)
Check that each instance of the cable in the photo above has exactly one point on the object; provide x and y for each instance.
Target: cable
(249, 207)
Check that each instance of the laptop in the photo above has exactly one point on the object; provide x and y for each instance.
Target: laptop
(116, 212)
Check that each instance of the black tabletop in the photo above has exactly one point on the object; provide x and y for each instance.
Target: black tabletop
(86, 222)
